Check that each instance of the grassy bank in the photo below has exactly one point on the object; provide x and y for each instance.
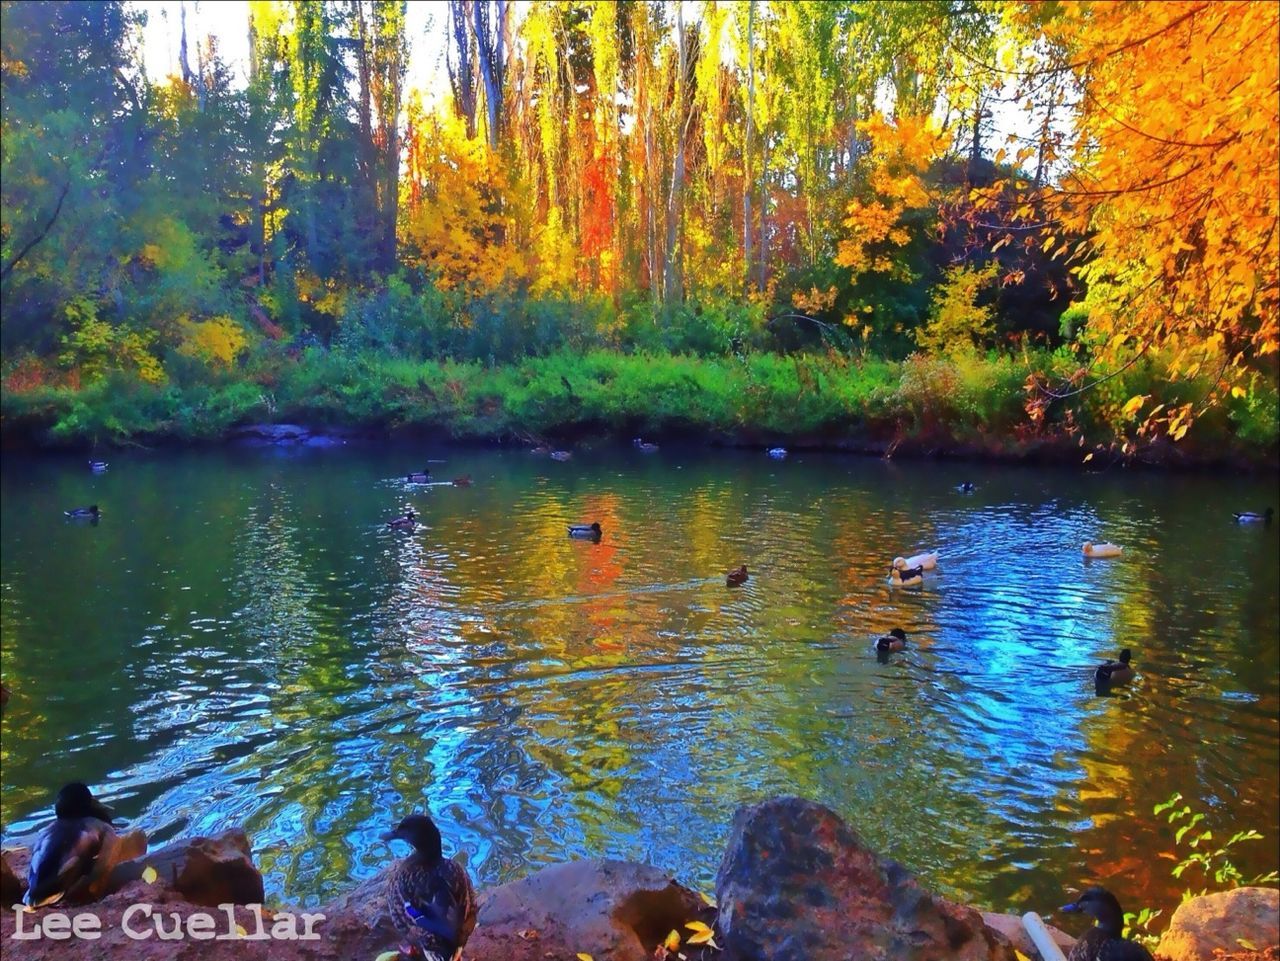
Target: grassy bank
(967, 404)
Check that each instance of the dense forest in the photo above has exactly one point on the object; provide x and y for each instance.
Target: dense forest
(956, 218)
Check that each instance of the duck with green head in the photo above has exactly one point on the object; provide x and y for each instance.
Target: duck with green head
(1114, 672)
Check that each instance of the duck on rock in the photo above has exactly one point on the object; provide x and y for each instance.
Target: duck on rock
(895, 640)
(1104, 941)
(429, 897)
(1114, 672)
(67, 852)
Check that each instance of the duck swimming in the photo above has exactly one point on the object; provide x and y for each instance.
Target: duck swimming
(90, 511)
(1101, 550)
(737, 577)
(463, 481)
(1114, 672)
(777, 453)
(926, 561)
(589, 531)
(895, 640)
(429, 897)
(561, 455)
(67, 849)
(965, 488)
(1249, 517)
(644, 447)
(905, 576)
(419, 476)
(98, 466)
(1104, 941)
(405, 522)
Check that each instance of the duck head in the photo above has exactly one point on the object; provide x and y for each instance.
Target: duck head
(1101, 904)
(76, 801)
(421, 832)
(1126, 656)
(595, 528)
(898, 633)
(899, 563)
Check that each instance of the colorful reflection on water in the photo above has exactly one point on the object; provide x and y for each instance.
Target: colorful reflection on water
(241, 642)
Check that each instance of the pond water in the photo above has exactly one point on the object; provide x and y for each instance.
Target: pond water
(240, 641)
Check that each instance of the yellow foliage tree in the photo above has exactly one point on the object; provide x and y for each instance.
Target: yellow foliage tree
(216, 342)
(1175, 183)
(957, 323)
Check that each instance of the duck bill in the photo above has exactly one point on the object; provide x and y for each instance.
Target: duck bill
(102, 812)
(1070, 908)
(391, 836)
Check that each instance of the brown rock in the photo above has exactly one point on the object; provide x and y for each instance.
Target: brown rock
(1010, 925)
(13, 877)
(798, 884)
(208, 871)
(612, 910)
(1203, 925)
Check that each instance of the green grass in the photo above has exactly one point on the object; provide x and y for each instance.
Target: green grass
(972, 401)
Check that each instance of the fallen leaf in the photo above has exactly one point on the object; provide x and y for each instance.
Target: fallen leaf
(149, 874)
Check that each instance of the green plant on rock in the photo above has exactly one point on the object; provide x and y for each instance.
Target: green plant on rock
(1214, 863)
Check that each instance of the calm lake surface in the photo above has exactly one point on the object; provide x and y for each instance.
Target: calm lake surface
(240, 641)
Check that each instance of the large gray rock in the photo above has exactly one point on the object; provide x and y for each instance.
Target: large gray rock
(612, 910)
(1203, 925)
(798, 884)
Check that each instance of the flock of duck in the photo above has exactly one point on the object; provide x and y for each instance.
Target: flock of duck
(430, 898)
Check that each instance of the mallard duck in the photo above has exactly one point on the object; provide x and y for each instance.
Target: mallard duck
(590, 531)
(737, 577)
(1104, 941)
(429, 897)
(67, 849)
(643, 447)
(97, 466)
(895, 640)
(542, 450)
(1249, 517)
(561, 454)
(405, 522)
(924, 561)
(1114, 672)
(419, 476)
(777, 453)
(90, 511)
(965, 488)
(1101, 550)
(463, 481)
(906, 576)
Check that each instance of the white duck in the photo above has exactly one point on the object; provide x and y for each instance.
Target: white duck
(1101, 550)
(926, 562)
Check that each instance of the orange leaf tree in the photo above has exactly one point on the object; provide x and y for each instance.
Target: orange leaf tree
(1173, 181)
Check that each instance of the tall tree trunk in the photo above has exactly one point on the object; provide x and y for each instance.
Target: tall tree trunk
(671, 283)
(746, 149)
(491, 55)
(462, 75)
(764, 208)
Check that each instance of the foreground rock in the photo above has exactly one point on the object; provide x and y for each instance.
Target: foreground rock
(1221, 922)
(612, 910)
(798, 884)
(207, 871)
(1011, 926)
